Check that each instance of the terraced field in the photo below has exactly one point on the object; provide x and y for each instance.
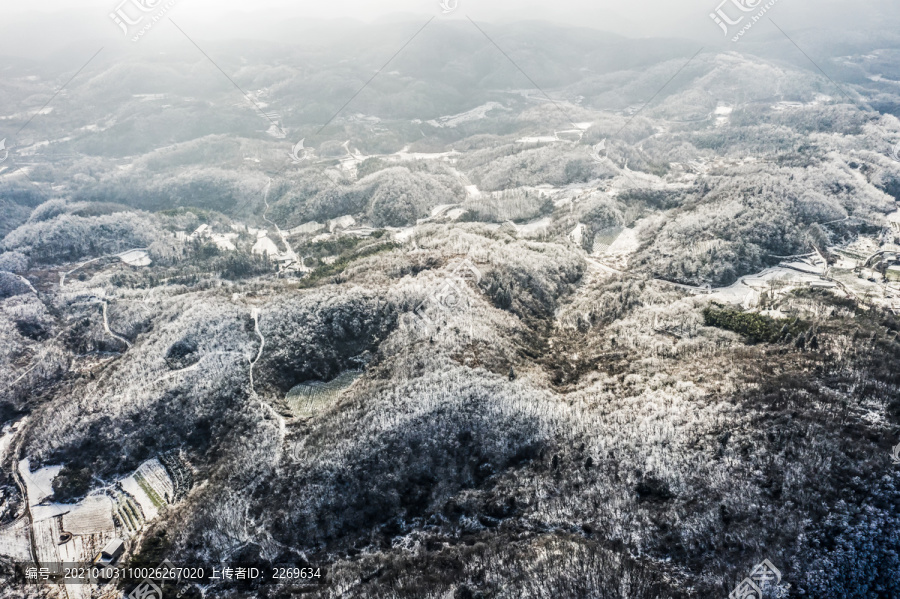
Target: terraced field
(151, 487)
(127, 513)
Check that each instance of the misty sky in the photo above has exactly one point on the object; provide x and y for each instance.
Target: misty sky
(43, 26)
(646, 17)
(653, 13)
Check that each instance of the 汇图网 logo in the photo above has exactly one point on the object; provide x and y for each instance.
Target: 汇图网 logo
(722, 18)
(129, 14)
(764, 580)
(736, 15)
(298, 152)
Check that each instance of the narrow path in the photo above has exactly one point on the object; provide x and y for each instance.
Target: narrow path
(289, 250)
(26, 281)
(47, 347)
(278, 417)
(111, 334)
(43, 354)
(63, 275)
(196, 364)
(262, 343)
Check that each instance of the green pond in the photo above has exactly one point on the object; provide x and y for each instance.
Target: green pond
(313, 397)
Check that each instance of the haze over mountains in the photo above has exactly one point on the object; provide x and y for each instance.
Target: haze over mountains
(30, 32)
(557, 302)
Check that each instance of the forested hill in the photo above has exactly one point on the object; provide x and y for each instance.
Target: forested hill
(625, 335)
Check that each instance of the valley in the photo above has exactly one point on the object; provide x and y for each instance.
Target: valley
(625, 337)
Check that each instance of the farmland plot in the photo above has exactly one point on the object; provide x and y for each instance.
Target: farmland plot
(605, 239)
(89, 525)
(51, 553)
(14, 541)
(46, 540)
(128, 513)
(151, 487)
(93, 515)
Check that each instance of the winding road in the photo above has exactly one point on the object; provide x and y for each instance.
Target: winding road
(23, 489)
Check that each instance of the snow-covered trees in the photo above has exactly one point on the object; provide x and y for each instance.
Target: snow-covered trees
(545, 165)
(735, 225)
(66, 238)
(391, 196)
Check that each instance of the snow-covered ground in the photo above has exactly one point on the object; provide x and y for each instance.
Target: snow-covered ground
(264, 245)
(306, 228)
(341, 222)
(405, 154)
(15, 542)
(535, 227)
(476, 114)
(882, 79)
(26, 115)
(620, 250)
(723, 114)
(441, 209)
(577, 234)
(6, 437)
(136, 258)
(224, 241)
(820, 99)
(148, 97)
(38, 484)
(77, 532)
(537, 139)
(746, 291)
(403, 235)
(91, 515)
